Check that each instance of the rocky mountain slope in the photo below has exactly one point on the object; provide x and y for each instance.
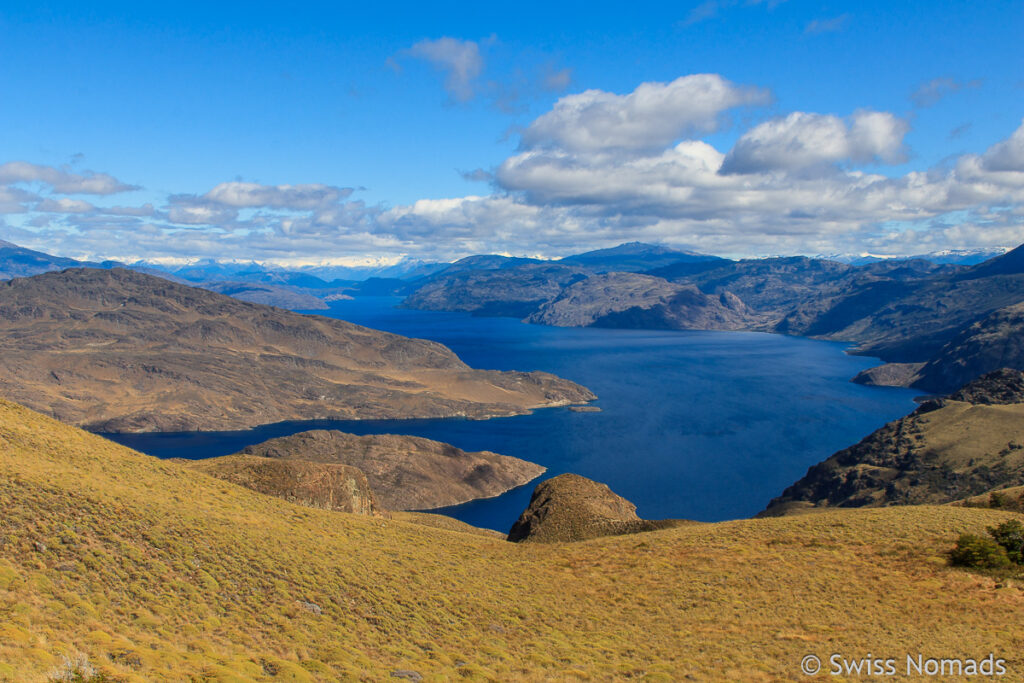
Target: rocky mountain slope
(144, 570)
(570, 508)
(632, 300)
(18, 261)
(115, 350)
(506, 291)
(405, 472)
(996, 340)
(965, 445)
(328, 486)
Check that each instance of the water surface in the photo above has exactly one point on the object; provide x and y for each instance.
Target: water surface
(698, 425)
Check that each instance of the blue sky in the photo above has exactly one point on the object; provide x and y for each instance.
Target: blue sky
(298, 133)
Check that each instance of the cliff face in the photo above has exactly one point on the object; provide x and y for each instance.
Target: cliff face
(965, 445)
(405, 472)
(573, 508)
(115, 350)
(320, 485)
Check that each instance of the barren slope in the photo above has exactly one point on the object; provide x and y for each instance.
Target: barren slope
(115, 350)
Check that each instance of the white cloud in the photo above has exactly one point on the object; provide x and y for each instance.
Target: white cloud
(802, 140)
(62, 181)
(460, 60)
(64, 205)
(799, 191)
(651, 117)
(201, 215)
(1008, 155)
(297, 197)
(15, 200)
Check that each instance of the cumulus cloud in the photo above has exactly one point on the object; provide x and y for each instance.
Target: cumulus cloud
(651, 117)
(460, 60)
(61, 180)
(15, 200)
(297, 197)
(136, 211)
(802, 140)
(1008, 155)
(64, 205)
(788, 185)
(930, 92)
(187, 212)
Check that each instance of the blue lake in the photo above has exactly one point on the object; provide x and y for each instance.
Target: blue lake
(697, 425)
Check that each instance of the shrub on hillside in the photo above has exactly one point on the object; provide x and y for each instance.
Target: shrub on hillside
(979, 552)
(1010, 535)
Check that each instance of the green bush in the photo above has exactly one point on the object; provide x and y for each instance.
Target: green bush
(979, 552)
(1010, 535)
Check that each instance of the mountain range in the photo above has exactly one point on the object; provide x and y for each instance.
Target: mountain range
(935, 321)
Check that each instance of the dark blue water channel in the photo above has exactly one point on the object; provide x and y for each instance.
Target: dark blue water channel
(698, 425)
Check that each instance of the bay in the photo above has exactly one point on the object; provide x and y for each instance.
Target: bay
(697, 425)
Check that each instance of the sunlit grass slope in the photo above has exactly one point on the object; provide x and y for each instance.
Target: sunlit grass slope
(157, 572)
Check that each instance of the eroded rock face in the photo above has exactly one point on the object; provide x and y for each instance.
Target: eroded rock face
(405, 472)
(328, 486)
(573, 508)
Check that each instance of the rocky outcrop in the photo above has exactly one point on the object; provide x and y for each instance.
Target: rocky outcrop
(573, 508)
(965, 445)
(633, 300)
(1001, 387)
(116, 350)
(890, 375)
(328, 486)
(405, 472)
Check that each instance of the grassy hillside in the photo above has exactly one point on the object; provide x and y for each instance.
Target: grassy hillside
(154, 571)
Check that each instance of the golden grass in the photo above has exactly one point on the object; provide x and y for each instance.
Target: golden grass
(157, 572)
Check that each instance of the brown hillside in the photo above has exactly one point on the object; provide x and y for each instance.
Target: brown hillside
(115, 350)
(406, 472)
